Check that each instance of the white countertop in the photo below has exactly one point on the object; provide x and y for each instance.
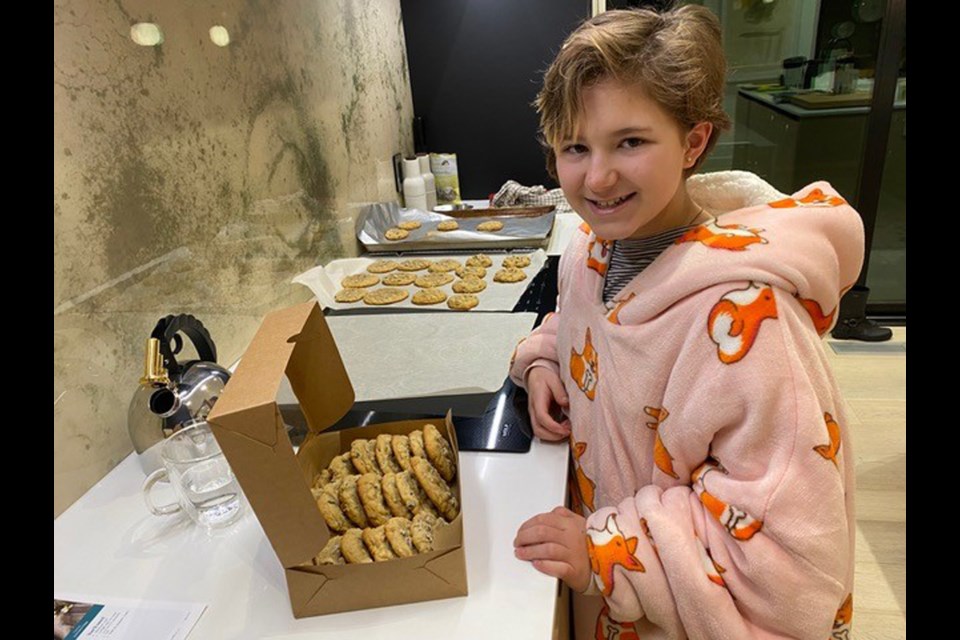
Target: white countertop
(108, 544)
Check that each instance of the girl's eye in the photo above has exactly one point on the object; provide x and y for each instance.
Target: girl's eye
(632, 143)
(575, 149)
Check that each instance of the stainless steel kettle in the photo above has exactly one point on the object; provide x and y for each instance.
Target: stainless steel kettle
(172, 394)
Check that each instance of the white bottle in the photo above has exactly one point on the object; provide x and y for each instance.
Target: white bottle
(414, 190)
(429, 182)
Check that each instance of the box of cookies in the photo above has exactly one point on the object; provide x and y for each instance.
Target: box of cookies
(359, 518)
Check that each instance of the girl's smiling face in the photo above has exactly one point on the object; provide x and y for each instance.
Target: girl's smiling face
(622, 170)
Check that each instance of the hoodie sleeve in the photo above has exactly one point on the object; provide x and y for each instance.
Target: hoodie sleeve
(759, 541)
(539, 349)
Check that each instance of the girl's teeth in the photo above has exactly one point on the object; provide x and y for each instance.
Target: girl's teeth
(606, 204)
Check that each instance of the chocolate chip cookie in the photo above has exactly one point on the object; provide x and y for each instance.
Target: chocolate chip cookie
(436, 489)
(398, 279)
(469, 285)
(349, 295)
(393, 233)
(371, 497)
(432, 280)
(385, 296)
(359, 281)
(400, 537)
(352, 547)
(330, 554)
(439, 452)
(429, 296)
(328, 501)
(376, 540)
(350, 501)
(391, 495)
(381, 266)
(401, 451)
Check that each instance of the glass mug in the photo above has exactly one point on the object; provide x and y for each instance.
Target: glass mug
(199, 473)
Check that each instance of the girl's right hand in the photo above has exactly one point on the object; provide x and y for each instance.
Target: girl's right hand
(547, 398)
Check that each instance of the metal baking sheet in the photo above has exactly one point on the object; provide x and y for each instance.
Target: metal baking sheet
(324, 282)
(518, 231)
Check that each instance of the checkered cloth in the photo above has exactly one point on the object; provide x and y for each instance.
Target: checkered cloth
(514, 194)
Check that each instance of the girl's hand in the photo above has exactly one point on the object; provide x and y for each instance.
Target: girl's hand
(556, 544)
(546, 398)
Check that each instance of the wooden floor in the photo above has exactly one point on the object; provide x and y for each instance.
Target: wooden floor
(875, 387)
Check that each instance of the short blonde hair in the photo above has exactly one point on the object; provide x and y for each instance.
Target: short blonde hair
(676, 57)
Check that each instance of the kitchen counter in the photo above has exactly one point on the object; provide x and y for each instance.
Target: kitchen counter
(796, 111)
(107, 544)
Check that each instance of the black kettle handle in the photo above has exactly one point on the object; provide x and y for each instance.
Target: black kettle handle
(167, 331)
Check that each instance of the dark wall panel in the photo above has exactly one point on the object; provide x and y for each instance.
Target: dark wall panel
(475, 69)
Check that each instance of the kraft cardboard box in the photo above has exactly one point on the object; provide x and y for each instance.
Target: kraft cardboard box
(246, 421)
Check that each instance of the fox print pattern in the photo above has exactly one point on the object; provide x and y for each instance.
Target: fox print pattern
(586, 488)
(734, 321)
(738, 523)
(732, 237)
(585, 368)
(816, 198)
(661, 457)
(830, 450)
(821, 321)
(598, 255)
(608, 548)
(610, 629)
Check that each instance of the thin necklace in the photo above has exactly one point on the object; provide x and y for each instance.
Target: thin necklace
(695, 216)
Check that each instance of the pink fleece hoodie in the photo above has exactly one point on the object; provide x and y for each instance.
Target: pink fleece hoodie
(709, 442)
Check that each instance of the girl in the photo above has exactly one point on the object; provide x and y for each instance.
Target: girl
(713, 492)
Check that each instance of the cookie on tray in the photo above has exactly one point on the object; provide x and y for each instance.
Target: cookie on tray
(429, 296)
(393, 233)
(433, 280)
(480, 260)
(381, 266)
(349, 295)
(359, 281)
(490, 226)
(448, 225)
(467, 271)
(414, 264)
(409, 225)
(399, 279)
(385, 296)
(516, 262)
(509, 274)
(442, 266)
(462, 301)
(469, 285)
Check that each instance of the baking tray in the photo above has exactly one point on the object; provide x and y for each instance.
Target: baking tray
(523, 228)
(324, 282)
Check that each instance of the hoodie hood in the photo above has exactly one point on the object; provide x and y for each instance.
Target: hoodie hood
(809, 244)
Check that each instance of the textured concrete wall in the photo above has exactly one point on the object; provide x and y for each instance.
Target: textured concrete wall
(193, 178)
